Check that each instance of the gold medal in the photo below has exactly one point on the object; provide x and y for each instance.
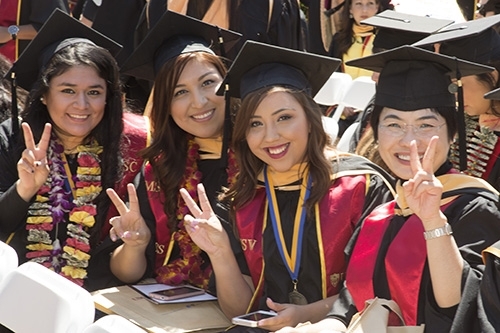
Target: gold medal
(294, 297)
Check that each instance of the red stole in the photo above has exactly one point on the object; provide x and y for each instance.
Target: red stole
(492, 160)
(404, 261)
(135, 137)
(339, 210)
(8, 16)
(156, 198)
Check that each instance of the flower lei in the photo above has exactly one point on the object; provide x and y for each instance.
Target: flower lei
(188, 267)
(53, 201)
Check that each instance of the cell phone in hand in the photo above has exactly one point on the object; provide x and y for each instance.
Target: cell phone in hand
(251, 319)
(176, 293)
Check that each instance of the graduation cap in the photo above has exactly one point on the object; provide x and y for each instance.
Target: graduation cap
(396, 29)
(474, 40)
(175, 34)
(59, 31)
(413, 79)
(494, 94)
(259, 65)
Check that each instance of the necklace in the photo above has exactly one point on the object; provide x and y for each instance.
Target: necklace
(188, 267)
(62, 197)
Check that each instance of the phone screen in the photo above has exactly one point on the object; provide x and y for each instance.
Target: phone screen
(256, 316)
(176, 291)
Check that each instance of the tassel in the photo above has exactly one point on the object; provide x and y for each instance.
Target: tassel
(462, 145)
(15, 112)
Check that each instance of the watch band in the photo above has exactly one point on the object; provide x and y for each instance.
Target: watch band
(438, 232)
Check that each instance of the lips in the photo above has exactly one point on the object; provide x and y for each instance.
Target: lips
(407, 157)
(277, 151)
(78, 116)
(203, 116)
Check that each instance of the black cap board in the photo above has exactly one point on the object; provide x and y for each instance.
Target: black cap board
(494, 94)
(473, 40)
(396, 29)
(60, 30)
(259, 65)
(175, 34)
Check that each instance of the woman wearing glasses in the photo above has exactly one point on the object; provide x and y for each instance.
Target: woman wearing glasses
(422, 250)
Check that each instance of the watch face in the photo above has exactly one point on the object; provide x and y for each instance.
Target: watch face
(13, 29)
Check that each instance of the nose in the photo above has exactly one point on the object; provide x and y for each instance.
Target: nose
(271, 133)
(199, 99)
(408, 137)
(81, 101)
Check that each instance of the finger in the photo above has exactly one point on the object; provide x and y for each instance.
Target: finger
(117, 228)
(430, 152)
(119, 204)
(132, 198)
(190, 223)
(43, 145)
(28, 136)
(202, 197)
(193, 207)
(414, 160)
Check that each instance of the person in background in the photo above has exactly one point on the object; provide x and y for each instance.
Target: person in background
(55, 164)
(20, 20)
(296, 201)
(422, 250)
(190, 132)
(478, 42)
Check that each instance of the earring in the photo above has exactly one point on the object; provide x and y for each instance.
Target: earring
(41, 99)
(350, 16)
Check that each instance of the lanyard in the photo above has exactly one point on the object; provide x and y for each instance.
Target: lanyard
(291, 261)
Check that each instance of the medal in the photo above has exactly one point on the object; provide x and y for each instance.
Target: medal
(291, 260)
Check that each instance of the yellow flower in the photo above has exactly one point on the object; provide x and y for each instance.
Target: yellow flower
(80, 192)
(80, 255)
(83, 218)
(88, 170)
(39, 247)
(74, 272)
(40, 198)
(39, 219)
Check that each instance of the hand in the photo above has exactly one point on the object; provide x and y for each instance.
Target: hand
(203, 226)
(130, 225)
(423, 191)
(287, 315)
(32, 167)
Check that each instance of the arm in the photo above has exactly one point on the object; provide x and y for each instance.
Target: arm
(234, 290)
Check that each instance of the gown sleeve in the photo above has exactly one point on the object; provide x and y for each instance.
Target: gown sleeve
(489, 294)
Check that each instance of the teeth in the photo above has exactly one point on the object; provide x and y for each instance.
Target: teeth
(203, 116)
(275, 151)
(78, 116)
(407, 157)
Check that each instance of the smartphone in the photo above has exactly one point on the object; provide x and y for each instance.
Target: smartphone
(176, 293)
(251, 319)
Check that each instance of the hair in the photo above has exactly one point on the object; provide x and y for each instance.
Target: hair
(109, 130)
(243, 190)
(447, 112)
(345, 36)
(167, 153)
(489, 80)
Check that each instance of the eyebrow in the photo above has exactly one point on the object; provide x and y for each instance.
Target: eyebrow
(67, 84)
(276, 112)
(393, 116)
(200, 78)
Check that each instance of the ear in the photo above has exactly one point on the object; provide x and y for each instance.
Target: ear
(42, 99)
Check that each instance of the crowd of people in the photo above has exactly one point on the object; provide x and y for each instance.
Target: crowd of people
(187, 147)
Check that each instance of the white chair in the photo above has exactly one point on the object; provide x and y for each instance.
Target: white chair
(113, 324)
(333, 90)
(35, 299)
(345, 139)
(358, 95)
(8, 260)
(331, 127)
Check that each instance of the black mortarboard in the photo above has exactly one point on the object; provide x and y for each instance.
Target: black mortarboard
(396, 29)
(259, 65)
(413, 79)
(494, 94)
(474, 40)
(59, 30)
(173, 35)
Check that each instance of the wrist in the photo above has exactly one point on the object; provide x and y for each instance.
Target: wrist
(445, 230)
(25, 193)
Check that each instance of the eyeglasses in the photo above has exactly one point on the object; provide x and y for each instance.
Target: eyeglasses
(423, 130)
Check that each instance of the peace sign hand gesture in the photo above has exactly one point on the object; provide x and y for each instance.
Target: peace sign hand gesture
(130, 225)
(203, 226)
(423, 191)
(32, 167)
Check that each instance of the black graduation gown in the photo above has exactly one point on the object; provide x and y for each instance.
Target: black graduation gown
(474, 217)
(489, 295)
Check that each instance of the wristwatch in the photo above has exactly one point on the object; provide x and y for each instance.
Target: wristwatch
(438, 232)
(13, 30)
